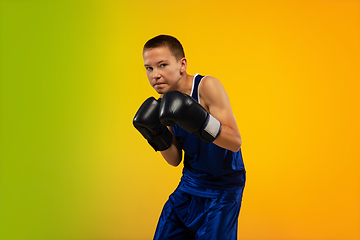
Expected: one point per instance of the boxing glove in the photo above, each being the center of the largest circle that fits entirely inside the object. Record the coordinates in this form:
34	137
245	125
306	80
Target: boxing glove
147	122
179	108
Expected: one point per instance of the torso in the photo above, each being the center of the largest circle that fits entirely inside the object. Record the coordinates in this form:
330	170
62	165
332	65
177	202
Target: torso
209	167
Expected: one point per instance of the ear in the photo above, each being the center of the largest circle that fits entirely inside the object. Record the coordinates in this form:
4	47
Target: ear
183	65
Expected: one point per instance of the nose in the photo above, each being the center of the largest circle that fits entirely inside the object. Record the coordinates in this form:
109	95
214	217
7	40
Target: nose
156	73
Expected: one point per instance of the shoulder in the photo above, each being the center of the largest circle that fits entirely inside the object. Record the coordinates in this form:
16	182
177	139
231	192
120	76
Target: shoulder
211	90
209	82
210	86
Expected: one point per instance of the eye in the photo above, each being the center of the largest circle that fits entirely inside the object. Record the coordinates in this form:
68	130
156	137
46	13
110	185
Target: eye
149	68
163	65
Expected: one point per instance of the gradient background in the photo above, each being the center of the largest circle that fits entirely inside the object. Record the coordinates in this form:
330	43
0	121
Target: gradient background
72	166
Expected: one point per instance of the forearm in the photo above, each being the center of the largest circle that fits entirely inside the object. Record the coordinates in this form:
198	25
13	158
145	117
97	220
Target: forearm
229	139
172	155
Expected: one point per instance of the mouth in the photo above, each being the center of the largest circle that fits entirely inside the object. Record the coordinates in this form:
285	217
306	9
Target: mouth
159	84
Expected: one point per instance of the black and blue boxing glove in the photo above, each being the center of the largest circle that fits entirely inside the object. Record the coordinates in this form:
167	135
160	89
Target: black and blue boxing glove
181	109
147	122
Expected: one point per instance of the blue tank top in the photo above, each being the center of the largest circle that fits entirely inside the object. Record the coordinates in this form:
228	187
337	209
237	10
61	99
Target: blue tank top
209	170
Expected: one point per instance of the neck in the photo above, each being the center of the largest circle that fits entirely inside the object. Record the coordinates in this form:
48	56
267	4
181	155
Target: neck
186	84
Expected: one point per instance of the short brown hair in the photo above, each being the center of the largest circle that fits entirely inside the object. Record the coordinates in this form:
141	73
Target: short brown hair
171	42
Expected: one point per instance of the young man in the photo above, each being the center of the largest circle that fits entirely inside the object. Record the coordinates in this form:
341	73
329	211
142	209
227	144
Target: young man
200	122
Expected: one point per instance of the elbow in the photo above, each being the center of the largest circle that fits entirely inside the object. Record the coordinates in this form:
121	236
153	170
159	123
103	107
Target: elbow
235	149
174	164
237	145
174	161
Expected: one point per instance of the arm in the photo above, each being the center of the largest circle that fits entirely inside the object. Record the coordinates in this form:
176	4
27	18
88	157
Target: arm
215	100
173	154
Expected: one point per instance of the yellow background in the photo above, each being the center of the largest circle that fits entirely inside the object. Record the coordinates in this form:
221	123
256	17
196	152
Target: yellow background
72	166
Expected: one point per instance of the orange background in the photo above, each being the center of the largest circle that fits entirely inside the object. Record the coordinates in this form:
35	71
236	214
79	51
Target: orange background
72	78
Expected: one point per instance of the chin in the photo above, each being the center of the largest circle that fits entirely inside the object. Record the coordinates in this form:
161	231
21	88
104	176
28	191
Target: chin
160	91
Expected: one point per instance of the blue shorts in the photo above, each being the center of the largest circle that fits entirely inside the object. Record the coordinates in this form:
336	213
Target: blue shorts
185	216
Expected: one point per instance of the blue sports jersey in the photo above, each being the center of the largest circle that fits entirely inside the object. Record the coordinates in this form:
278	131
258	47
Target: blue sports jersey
209	170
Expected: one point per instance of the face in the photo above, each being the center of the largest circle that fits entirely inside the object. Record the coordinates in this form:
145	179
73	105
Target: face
163	70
